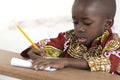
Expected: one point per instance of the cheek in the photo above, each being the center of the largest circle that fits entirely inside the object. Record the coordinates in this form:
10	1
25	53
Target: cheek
97	29
94	33
91	36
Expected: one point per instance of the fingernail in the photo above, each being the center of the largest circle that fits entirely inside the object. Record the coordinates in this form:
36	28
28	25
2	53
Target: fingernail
35	67
42	67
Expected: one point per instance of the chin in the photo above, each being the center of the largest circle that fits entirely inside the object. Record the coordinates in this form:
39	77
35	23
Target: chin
86	44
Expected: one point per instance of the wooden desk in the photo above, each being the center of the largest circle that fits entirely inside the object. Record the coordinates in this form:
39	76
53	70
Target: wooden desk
64	74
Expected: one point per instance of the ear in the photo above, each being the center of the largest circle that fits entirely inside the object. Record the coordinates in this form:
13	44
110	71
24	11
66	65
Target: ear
109	23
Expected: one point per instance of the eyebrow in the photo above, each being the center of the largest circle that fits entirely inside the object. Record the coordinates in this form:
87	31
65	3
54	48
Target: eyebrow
83	18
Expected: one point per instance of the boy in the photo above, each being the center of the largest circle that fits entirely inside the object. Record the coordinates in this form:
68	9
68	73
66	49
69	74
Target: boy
90	45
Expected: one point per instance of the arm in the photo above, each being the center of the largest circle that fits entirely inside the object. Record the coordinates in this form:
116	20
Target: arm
109	62
77	63
55	43
60	63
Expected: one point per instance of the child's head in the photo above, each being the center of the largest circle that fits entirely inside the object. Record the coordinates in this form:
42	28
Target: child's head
92	17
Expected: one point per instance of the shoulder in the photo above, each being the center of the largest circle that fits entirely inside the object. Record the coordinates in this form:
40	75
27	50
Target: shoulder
69	34
66	33
113	44
116	37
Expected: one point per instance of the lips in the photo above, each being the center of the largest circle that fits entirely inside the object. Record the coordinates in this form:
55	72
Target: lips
82	39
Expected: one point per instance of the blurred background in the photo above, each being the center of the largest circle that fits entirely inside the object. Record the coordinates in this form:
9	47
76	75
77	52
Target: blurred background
38	18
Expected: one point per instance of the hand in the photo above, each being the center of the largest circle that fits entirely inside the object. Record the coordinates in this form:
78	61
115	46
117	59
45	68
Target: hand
57	63
60	63
34	53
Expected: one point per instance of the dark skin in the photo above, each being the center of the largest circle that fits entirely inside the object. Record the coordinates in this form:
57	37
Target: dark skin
89	23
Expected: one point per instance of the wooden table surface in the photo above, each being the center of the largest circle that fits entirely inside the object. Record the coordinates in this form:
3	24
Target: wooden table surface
64	74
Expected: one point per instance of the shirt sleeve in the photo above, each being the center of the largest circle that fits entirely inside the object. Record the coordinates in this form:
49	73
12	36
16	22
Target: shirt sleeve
110	62
52	45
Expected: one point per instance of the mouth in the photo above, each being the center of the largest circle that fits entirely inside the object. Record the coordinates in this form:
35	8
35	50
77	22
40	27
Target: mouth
82	39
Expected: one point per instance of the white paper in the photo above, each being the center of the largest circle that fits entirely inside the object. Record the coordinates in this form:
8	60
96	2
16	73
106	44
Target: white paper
21	63
27	64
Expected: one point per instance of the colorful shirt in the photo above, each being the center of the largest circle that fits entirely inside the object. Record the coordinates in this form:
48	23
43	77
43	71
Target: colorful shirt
103	55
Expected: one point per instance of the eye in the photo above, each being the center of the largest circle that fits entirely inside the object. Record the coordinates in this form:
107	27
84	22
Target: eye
87	24
87	21
75	22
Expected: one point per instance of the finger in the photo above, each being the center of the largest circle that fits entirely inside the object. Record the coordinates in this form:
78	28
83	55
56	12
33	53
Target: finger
37	61
43	52
40	52
33	56
35	51
40	65
32	53
46	64
35	65
57	66
43	65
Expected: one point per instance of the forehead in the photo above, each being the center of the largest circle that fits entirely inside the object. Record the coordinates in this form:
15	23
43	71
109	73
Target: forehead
87	9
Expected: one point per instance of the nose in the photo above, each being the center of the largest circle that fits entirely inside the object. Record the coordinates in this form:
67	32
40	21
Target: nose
80	28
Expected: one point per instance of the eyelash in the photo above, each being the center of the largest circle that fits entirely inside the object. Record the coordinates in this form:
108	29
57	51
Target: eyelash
88	24
75	23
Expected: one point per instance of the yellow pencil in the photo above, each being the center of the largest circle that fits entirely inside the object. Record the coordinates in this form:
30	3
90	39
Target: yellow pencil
33	44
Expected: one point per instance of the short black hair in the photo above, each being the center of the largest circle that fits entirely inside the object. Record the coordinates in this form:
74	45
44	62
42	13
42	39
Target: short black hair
106	6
